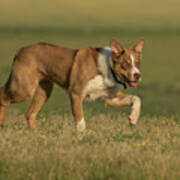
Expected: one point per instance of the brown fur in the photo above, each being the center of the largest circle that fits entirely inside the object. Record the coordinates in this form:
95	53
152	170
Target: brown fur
37	67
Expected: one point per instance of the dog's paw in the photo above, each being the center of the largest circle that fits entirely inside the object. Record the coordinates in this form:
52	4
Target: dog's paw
133	118
32	125
132	121
135	111
81	125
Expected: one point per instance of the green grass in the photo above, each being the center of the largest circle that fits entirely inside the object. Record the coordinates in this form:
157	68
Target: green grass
109	149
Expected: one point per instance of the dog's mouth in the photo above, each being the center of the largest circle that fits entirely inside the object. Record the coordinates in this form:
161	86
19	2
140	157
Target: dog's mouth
130	83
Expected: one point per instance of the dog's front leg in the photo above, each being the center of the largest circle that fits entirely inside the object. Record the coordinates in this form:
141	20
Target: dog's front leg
121	100
76	104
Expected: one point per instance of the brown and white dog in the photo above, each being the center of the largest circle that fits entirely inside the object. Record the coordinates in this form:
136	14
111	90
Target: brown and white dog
87	73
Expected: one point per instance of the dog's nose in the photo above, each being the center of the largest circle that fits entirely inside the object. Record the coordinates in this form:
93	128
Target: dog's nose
137	76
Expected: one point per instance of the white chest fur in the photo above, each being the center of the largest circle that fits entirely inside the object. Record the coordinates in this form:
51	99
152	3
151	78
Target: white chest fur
103	84
95	88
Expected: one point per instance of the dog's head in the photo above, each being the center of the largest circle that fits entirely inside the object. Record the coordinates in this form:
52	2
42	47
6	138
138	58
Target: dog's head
126	62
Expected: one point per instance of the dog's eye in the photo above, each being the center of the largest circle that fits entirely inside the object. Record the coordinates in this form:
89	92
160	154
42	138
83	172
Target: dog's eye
125	65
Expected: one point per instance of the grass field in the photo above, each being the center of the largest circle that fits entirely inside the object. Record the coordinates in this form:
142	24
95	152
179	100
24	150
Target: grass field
109	149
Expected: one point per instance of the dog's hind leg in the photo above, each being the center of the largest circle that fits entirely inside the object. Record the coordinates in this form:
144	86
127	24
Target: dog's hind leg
12	92
40	97
4	103
2	114
121	100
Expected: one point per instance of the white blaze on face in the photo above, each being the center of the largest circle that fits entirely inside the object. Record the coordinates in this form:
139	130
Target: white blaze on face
134	69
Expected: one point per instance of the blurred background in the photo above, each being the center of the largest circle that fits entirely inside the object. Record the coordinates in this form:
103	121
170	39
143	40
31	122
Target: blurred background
76	24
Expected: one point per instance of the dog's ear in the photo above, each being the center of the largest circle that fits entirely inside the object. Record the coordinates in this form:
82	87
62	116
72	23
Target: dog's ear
116	47
139	46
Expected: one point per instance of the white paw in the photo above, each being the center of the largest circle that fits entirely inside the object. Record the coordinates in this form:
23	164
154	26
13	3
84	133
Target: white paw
133	120
135	111
81	125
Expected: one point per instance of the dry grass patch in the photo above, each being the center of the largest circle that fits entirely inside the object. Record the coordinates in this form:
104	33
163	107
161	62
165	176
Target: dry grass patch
109	149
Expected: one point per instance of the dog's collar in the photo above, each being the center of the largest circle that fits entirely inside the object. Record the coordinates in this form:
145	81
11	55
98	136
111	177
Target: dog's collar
109	53
116	79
